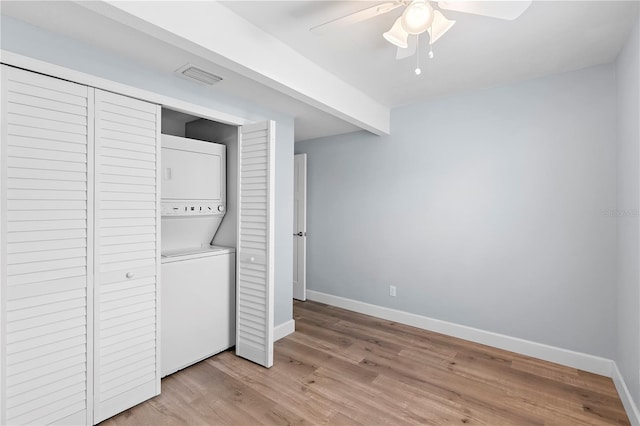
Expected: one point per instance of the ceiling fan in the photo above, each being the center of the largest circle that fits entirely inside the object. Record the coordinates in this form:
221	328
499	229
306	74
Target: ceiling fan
419	16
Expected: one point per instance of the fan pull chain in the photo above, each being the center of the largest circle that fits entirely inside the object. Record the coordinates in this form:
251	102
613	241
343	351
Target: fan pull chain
418	71
430	43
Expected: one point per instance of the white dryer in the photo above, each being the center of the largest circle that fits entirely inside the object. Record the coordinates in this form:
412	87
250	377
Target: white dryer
198	280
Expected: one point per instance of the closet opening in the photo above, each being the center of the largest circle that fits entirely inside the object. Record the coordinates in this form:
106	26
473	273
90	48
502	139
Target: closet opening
198	238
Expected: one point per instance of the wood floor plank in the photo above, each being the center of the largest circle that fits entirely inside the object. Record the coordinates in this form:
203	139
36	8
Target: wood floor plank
438	409
279	384
344	368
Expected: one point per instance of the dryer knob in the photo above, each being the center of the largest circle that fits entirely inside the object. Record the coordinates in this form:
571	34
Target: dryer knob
221	208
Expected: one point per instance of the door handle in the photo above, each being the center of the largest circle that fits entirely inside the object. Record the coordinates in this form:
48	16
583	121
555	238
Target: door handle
300	234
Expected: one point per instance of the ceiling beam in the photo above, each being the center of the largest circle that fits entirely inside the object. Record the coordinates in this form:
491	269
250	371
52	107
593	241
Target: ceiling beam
213	32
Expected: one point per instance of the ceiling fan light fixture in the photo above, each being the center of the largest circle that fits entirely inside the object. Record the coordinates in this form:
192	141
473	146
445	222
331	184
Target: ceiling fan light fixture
417	17
439	26
397	35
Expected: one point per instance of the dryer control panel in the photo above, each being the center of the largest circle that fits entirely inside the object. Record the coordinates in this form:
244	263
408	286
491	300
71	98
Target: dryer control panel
191	208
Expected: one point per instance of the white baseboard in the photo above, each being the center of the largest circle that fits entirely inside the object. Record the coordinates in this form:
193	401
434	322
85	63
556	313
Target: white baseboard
630	407
284	329
582	361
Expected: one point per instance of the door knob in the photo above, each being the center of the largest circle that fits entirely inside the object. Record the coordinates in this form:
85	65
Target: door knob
130	275
299	234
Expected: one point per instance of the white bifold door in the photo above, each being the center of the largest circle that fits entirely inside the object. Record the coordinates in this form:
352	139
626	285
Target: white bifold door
79	251
126	359
46	250
255	251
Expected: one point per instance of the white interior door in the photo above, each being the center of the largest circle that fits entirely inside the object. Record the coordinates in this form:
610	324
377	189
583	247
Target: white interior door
300	227
255	251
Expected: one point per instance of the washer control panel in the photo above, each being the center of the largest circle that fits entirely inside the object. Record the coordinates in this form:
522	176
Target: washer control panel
187	208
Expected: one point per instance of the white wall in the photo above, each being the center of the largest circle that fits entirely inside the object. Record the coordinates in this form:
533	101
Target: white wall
487	209
628	351
31	41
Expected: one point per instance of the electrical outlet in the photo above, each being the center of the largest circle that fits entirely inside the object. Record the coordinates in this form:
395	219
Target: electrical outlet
392	290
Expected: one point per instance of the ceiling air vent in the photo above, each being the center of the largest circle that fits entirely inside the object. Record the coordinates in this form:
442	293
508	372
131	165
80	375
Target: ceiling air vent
198	74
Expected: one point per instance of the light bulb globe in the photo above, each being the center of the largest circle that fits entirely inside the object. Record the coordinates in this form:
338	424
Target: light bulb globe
417	17
397	35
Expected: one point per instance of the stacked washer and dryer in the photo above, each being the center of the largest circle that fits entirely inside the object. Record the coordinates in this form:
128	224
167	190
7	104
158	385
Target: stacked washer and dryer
198	279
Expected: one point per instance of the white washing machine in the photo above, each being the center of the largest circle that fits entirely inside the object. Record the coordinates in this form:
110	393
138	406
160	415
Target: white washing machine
197	279
197	311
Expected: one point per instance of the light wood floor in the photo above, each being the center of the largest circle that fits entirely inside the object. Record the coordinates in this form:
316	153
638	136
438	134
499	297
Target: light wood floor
343	368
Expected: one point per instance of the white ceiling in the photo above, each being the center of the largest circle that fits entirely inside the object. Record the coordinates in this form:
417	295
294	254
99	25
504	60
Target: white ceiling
550	37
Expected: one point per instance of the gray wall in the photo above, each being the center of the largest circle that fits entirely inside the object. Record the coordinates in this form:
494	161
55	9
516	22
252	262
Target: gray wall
487	209
628	354
170	125
284	221
31	41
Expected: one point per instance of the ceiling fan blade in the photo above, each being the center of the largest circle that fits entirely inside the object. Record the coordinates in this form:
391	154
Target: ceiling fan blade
352	18
410	50
508	10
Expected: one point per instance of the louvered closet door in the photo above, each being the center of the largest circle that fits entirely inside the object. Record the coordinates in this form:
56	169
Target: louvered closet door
127	253
255	253
45	249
